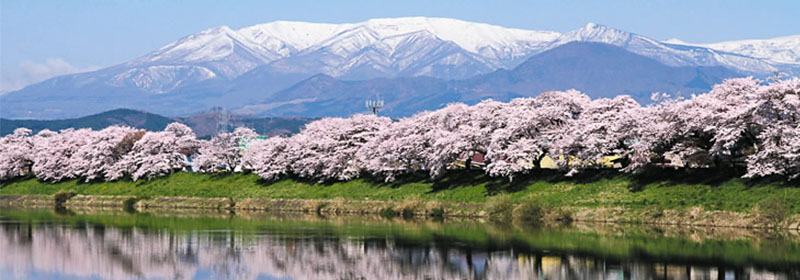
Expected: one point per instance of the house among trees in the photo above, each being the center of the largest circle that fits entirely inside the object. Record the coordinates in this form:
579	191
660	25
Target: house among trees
476	161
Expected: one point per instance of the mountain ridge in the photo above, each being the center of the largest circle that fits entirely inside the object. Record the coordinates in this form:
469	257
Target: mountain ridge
784	49
232	68
597	69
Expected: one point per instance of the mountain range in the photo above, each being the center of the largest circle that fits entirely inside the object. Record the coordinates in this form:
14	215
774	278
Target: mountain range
315	69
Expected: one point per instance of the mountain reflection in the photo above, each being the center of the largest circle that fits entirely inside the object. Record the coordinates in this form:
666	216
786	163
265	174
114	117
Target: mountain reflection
89	250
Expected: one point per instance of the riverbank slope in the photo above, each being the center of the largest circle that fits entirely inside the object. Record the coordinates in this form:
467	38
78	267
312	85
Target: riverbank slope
686	198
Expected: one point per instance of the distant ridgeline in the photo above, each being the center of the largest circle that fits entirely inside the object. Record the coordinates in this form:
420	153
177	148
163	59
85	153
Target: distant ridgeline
204	124
415	64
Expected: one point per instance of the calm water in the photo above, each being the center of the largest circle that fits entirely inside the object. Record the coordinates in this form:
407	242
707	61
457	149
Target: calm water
43	244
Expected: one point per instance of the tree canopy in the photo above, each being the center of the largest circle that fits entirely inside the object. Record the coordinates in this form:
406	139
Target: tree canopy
740	122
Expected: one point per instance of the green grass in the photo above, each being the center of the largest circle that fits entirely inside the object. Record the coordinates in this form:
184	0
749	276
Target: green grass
594	189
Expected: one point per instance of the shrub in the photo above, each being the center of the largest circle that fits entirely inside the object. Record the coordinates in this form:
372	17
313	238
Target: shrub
388	212
773	209
435	209
437	212
62	196
411	206
129	204
406	213
530	211
562	215
499	206
316	206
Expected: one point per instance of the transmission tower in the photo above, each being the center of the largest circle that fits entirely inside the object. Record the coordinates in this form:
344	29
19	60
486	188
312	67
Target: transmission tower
375	105
224	119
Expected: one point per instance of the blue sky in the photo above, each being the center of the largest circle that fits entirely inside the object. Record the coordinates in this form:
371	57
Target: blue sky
39	39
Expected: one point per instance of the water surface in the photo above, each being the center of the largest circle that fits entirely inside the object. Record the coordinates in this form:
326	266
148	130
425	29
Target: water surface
106	244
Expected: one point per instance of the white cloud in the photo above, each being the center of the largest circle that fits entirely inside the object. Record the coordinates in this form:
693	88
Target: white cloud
30	72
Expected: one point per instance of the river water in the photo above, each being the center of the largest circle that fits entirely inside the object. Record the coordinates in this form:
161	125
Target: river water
109	244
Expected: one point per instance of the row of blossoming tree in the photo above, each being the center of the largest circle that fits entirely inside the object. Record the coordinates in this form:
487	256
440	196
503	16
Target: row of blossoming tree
740	122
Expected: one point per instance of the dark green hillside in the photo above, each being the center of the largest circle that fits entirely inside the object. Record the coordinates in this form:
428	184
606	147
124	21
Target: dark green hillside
125	117
204	124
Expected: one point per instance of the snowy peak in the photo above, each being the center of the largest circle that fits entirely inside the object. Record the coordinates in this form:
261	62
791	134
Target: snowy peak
280	39
350	41
593	32
290	36
598	33
668	53
209	44
230	53
675	41
362	52
468	35
779	50
385	47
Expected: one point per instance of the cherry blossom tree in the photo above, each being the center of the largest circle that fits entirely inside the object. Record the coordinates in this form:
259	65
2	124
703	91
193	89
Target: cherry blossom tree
268	158
532	128
158	153
722	122
327	148
452	133
16	154
432	141
775	113
606	127
52	153
223	150
682	133
400	148
95	158
739	122
778	154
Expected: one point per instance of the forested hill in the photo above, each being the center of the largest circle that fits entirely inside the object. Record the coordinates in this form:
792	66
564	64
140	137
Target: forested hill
204	124
125	117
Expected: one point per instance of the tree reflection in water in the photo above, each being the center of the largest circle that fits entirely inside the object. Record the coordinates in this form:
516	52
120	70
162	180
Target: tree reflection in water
80	247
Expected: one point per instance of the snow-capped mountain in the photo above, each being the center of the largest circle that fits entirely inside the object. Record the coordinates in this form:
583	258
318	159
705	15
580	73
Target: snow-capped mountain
400	47
784	50
214	53
221	50
231	68
436	47
360	53
488	41
597	69
669	54
388	47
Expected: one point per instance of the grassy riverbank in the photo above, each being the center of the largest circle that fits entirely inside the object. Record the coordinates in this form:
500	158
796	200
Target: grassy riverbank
600	189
